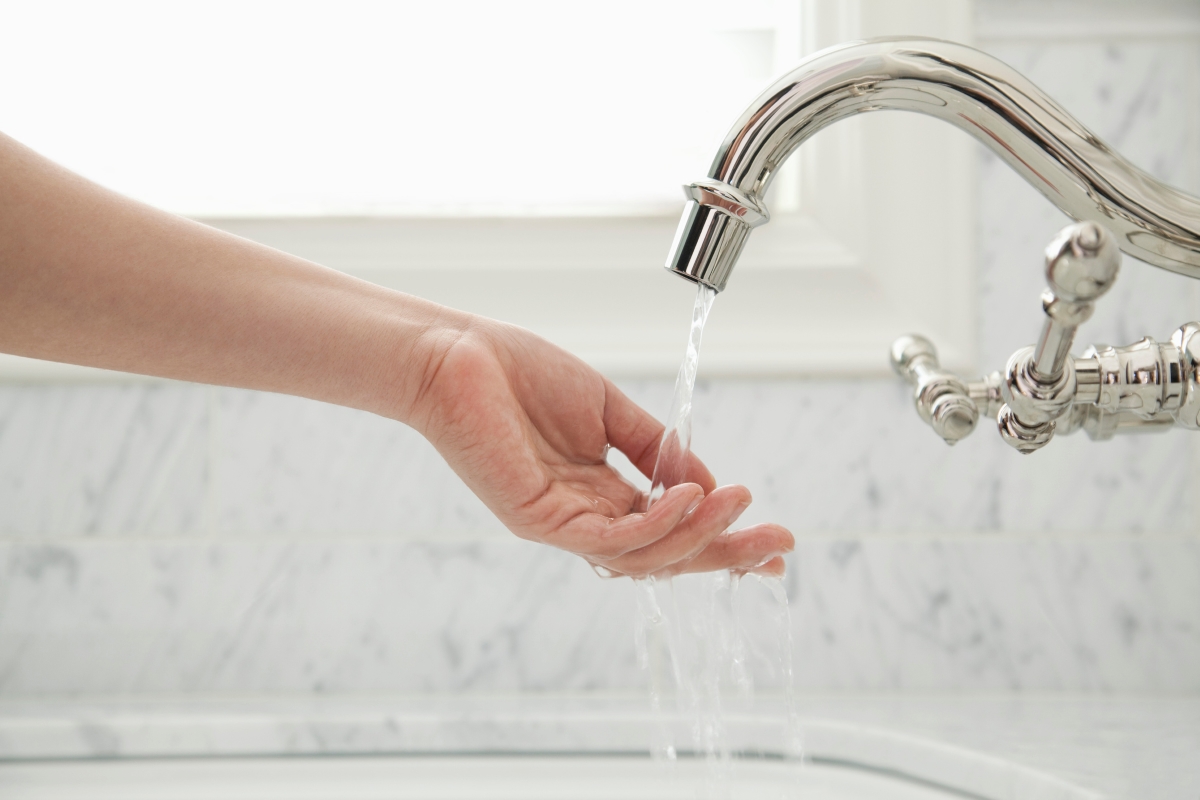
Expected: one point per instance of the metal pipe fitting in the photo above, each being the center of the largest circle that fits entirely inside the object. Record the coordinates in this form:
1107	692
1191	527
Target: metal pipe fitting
1187	341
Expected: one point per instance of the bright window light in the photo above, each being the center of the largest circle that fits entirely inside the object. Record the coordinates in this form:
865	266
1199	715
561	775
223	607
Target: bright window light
224	109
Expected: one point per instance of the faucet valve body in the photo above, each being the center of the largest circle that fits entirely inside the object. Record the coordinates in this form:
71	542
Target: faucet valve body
1146	386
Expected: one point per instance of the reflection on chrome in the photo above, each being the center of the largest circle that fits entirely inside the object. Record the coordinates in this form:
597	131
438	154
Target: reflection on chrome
1145	386
971	90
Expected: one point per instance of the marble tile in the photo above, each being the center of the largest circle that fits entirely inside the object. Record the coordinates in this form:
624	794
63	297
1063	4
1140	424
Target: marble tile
80	460
1010	613
385	615
852	456
844	456
314	616
285	465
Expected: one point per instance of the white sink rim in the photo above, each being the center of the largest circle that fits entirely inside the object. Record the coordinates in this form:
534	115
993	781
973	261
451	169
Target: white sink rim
132	731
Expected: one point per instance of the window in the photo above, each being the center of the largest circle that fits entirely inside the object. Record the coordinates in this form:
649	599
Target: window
519	159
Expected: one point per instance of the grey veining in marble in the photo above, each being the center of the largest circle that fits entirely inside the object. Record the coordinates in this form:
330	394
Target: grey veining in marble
881	613
104	460
310	615
820	457
831	457
292	466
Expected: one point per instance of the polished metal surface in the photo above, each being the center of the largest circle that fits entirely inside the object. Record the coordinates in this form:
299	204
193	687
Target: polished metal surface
943	399
1081	264
1043	390
1073	168
1187	342
1040	383
1147	386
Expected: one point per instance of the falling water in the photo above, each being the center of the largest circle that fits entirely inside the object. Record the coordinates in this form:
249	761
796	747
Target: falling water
690	629
676	445
780	630
650	630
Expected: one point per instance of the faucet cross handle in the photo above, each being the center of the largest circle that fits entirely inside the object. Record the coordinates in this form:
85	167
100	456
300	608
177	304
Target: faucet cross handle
1039	382
1081	265
942	398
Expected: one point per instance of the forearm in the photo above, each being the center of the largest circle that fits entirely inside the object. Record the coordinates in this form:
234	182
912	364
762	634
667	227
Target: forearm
89	277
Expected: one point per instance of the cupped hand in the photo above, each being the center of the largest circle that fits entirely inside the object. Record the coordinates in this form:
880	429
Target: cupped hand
528	427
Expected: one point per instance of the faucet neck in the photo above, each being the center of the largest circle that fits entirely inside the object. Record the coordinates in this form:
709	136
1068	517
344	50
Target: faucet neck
977	93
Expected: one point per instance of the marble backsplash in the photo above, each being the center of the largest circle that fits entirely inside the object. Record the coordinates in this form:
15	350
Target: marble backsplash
823	457
385	615
166	538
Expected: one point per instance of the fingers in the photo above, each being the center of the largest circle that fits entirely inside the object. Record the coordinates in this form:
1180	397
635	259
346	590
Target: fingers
689	538
698	474
754	549
601	539
631	429
635	433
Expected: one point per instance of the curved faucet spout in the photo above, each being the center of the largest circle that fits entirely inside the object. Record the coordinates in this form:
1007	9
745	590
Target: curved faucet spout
1073	168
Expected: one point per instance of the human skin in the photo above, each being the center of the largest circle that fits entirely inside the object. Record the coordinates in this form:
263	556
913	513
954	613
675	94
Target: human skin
90	277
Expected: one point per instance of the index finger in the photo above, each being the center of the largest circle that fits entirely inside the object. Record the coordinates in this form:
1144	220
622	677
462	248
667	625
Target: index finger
637	434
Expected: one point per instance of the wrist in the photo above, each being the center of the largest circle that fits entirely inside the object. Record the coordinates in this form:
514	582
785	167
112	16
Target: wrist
421	336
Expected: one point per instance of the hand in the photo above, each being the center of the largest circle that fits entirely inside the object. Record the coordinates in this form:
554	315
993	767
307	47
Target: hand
528	426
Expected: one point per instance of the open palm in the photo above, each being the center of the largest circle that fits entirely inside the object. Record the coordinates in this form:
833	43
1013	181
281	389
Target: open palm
528	427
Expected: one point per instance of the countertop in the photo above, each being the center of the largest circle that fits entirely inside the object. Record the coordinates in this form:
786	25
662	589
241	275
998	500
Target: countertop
1002	746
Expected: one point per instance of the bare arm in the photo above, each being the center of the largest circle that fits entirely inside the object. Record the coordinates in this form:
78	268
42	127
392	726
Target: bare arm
90	277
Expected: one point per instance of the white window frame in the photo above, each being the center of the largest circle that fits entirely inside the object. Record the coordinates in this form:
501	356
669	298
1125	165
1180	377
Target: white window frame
872	236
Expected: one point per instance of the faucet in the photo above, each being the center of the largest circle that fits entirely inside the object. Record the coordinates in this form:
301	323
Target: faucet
1146	386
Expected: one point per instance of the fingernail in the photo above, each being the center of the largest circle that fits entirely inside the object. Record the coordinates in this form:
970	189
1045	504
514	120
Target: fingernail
737	512
684	488
769	559
761	570
603	572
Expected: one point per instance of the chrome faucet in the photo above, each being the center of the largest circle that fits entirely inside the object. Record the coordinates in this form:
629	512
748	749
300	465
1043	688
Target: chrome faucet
1146	386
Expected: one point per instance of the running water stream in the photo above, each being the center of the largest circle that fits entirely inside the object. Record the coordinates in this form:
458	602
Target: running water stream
671	467
689	632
